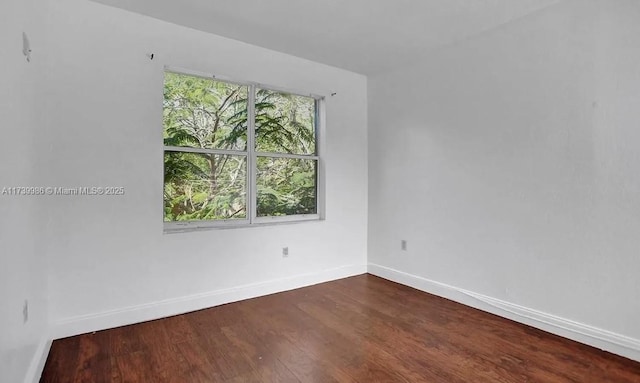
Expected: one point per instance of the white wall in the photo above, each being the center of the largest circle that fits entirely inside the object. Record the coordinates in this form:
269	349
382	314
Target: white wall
110	262
511	164
22	263
508	161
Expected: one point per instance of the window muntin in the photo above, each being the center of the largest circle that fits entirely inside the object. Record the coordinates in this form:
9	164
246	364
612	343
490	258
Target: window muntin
237	153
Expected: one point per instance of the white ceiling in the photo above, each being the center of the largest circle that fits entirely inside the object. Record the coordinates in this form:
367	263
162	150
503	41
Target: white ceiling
365	36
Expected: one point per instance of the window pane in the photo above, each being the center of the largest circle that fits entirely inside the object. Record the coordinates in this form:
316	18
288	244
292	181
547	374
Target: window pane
204	186
285	123
286	186
204	113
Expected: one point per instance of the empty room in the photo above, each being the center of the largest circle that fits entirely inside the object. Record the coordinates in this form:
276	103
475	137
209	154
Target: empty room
438	191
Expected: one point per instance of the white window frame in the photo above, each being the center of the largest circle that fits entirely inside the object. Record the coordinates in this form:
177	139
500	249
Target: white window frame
252	155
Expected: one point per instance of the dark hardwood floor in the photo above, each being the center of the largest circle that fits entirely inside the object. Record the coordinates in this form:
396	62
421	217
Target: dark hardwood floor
361	329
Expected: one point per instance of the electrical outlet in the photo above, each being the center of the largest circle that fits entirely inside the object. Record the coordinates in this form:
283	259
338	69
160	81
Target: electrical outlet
403	245
25	311
285	252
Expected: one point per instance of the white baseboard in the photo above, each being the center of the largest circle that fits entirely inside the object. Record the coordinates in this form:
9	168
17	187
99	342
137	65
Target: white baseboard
38	361
150	311
592	336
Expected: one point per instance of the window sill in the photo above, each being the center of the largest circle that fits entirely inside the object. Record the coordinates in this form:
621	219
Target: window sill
175	227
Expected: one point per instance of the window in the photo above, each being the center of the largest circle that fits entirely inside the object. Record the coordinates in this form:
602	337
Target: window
237	153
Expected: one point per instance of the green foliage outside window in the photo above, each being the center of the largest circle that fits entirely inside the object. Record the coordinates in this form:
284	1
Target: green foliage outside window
204	115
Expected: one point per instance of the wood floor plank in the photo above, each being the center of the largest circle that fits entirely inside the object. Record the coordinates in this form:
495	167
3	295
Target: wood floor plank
64	358
303	366
262	360
443	353
360	329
